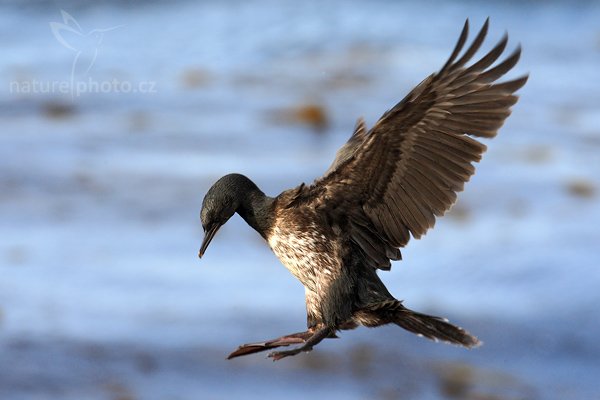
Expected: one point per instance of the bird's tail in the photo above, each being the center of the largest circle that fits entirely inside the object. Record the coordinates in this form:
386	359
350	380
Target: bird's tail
434	328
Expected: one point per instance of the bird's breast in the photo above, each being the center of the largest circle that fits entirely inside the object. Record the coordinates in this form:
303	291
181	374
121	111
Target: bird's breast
308	253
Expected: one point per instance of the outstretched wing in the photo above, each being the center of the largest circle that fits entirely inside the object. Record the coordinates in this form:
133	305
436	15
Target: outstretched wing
394	180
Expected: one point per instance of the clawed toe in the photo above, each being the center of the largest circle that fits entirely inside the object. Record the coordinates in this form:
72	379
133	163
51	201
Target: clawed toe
251	348
309	338
247	349
278	355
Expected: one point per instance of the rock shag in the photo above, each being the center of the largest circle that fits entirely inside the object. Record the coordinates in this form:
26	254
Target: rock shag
386	184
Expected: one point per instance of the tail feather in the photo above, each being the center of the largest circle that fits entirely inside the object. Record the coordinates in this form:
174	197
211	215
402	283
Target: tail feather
434	328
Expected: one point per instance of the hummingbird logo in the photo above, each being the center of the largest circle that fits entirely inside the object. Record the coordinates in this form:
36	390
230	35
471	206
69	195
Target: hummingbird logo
85	45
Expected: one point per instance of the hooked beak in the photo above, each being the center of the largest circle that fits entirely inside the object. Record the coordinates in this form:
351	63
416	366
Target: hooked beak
208	236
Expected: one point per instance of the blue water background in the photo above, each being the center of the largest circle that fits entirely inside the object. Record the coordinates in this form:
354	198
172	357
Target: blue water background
101	291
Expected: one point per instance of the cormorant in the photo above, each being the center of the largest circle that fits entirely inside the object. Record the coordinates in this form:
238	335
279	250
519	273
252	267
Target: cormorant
386	184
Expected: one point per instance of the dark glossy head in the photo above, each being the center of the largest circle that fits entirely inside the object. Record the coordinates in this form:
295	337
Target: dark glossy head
222	200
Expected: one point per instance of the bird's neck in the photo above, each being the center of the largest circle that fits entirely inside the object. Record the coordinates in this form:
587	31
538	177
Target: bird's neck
257	210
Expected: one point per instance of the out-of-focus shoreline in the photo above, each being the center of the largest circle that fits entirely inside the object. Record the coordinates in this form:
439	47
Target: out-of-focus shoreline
386	363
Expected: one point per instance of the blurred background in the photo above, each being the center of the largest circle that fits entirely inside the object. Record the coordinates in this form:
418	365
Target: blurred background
116	117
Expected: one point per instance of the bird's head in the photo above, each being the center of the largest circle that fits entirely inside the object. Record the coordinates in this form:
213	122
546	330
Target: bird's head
220	203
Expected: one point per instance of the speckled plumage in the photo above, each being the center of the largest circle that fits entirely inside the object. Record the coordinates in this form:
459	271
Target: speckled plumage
302	237
386	185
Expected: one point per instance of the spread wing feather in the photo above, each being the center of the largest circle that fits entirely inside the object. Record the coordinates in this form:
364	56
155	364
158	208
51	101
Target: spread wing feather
394	180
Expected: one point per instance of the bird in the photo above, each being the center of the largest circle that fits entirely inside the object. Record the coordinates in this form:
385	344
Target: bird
386	184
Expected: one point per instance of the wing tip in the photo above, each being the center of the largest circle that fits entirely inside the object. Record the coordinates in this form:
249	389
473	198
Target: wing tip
468	54
458	47
514	84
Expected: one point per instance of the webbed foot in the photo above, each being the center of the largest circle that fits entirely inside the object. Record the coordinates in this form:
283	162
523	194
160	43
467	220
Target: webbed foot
251	348
313	340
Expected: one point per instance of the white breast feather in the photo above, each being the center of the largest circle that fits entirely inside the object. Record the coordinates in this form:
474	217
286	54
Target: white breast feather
307	254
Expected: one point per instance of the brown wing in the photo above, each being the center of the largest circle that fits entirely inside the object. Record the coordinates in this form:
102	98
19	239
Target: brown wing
349	148
408	168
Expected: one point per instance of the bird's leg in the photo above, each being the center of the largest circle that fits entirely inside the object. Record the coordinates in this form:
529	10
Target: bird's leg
309	343
250	348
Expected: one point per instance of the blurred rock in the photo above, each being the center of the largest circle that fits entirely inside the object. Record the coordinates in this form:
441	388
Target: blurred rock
538	154
310	114
456	381
138	121
581	188
468	382
146	362
58	110
194	78
86	182
118	391
361	360
319	361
